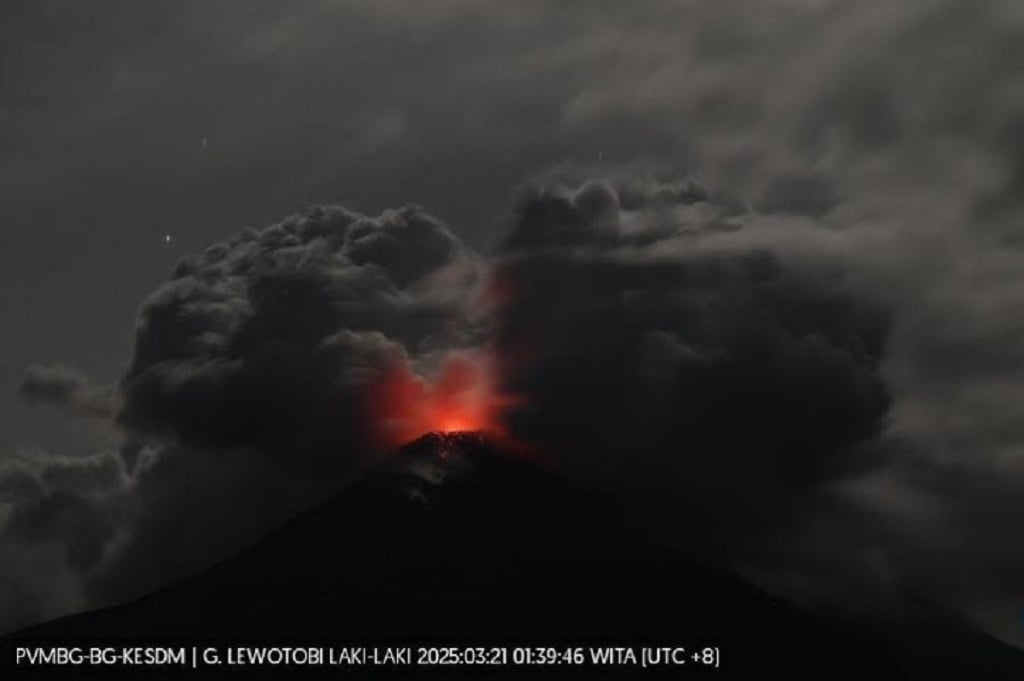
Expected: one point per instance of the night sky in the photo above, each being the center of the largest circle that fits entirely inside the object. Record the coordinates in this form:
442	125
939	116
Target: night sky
756	267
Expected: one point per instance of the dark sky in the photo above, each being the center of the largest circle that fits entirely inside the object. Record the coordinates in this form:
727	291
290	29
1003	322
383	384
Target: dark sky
872	152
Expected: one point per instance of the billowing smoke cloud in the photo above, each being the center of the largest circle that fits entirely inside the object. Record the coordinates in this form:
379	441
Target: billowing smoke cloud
269	340
801	394
254	370
750	383
246	400
660	348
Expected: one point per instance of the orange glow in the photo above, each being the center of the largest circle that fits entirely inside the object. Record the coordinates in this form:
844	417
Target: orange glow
404	406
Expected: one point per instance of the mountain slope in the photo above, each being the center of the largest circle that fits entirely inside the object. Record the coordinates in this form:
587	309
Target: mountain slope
455	539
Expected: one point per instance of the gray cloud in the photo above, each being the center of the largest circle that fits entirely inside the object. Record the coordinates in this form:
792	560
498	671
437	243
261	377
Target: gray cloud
828	400
67	388
59	517
251	372
269	340
709	375
245	400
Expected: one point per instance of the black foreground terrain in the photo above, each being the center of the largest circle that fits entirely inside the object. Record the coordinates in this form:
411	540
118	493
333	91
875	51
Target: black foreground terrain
455	539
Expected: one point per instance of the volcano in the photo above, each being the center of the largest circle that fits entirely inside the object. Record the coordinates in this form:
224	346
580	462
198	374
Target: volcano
456	537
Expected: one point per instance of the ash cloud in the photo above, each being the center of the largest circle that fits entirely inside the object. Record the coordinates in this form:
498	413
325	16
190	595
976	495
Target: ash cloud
268	340
707	374
250	377
803	395
244	402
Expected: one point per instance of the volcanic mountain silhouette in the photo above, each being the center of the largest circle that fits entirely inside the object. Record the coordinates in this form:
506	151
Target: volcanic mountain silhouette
455	539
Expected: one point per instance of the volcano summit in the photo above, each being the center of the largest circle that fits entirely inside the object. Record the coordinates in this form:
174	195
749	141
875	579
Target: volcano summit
455	537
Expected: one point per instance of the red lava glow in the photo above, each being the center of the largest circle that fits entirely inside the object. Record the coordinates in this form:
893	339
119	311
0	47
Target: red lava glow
404	406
